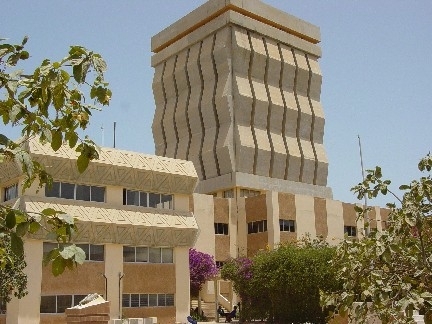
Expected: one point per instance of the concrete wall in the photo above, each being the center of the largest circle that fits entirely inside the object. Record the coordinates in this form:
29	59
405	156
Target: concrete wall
235	94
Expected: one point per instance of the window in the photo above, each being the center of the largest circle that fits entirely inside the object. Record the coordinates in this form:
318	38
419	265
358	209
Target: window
219	264
2	306
59	303
147	199
147	300
228	193
11	192
286	225
75	191
221	228
257	227
135	254
350	231
92	252
146	254
249	193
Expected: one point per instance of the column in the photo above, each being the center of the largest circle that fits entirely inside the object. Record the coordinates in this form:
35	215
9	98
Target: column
273	229
26	310
182	295
113	270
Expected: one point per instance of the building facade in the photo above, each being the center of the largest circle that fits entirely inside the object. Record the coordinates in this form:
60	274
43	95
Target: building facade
240	167
237	88
134	223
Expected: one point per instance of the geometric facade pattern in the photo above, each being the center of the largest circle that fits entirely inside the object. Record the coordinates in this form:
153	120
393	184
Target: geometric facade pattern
130	225
114	167
237	92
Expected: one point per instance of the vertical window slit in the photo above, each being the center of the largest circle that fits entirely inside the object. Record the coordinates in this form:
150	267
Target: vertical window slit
200	112
298	116
253	103
214	105
269	111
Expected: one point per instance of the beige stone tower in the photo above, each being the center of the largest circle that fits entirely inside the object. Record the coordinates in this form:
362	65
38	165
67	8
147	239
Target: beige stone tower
237	89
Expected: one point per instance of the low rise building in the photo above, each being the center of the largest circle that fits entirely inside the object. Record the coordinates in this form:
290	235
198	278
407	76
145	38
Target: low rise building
134	223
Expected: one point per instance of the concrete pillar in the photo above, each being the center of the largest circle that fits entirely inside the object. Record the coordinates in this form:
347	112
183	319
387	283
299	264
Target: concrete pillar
305	215
26	310
233	225
113	270
204	215
273	230
335	221
241	227
182	295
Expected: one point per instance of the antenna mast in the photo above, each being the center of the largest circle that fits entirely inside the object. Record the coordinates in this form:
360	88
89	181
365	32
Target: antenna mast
103	135
367	229
114	134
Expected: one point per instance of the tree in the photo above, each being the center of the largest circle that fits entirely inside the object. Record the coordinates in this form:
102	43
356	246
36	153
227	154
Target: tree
49	104
283	285
202	267
389	272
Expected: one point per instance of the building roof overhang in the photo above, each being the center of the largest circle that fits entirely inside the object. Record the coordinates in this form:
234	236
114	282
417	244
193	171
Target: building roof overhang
131	225
114	167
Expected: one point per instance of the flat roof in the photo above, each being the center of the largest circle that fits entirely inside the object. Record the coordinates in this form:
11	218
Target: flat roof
254	9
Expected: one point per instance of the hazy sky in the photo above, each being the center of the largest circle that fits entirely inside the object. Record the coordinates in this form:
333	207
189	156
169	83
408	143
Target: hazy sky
376	65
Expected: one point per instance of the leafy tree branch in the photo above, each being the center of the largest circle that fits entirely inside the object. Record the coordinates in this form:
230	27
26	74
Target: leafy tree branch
53	104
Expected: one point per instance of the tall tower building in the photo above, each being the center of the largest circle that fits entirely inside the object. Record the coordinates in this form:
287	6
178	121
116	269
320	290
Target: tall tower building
237	90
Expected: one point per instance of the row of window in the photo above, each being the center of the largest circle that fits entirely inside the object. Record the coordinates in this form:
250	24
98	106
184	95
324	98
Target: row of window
147	300
147	254
75	191
221	228
130	253
58	303
257	226
93	252
249	193
147	199
55	304
286	225
243	193
350	231
94	193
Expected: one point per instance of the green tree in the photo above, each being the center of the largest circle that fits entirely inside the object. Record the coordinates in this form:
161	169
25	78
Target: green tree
48	104
283	285
389	272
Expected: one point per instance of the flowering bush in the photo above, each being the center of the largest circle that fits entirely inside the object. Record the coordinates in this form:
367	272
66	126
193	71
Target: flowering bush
282	285
202	267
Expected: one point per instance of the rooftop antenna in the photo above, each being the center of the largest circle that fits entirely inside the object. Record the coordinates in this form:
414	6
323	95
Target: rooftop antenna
114	133
367	229
103	135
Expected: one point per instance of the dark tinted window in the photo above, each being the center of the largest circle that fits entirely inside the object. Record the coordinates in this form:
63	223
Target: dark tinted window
128	254
82	192
67	190
98	194
97	252
63	302
154	255
153	300
154	200
53	191
48	304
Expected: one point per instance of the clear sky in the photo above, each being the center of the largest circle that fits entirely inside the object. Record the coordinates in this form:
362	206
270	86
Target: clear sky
376	65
